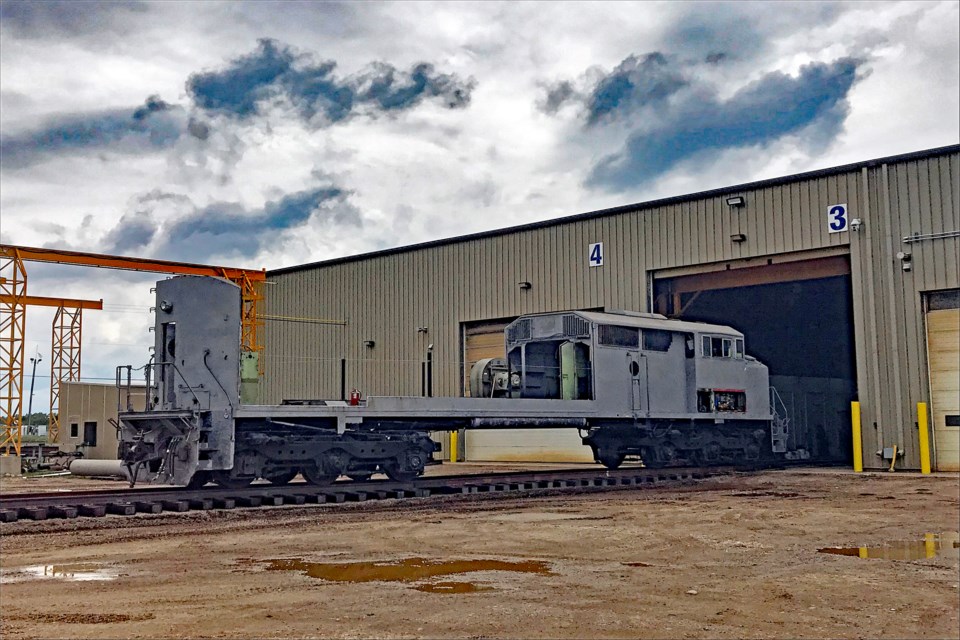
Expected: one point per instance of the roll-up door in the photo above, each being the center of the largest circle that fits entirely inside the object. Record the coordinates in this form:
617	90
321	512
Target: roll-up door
485	340
943	355
481	340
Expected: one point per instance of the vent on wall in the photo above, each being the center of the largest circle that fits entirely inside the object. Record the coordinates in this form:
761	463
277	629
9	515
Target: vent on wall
520	330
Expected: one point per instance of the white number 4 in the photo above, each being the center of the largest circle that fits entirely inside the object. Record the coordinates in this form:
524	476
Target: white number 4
595	257
837	219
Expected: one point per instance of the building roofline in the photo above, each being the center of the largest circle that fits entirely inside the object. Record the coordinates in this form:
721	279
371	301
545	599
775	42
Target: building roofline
639	206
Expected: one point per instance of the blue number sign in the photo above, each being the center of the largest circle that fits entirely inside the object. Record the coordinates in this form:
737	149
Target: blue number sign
837	219
595	256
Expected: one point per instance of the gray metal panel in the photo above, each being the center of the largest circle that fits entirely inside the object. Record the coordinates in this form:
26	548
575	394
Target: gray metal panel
443	285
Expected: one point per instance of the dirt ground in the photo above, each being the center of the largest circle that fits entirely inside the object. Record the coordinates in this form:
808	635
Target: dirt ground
729	557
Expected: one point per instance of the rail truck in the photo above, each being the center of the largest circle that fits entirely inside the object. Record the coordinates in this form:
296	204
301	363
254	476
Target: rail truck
634	384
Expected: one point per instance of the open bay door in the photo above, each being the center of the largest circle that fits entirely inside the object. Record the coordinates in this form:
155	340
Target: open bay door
943	356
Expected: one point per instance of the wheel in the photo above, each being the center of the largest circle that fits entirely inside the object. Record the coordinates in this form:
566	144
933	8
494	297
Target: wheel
611	458
313	475
405	467
199	479
395	473
281	476
225	480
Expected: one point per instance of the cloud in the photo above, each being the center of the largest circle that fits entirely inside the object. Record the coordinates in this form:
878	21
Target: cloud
156	124
774	106
635	83
169	226
276	72
34	19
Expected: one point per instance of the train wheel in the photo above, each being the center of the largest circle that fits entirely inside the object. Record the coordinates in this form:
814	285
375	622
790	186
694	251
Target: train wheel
404	468
611	458
395	473
711	453
199	479
281	476
313	475
225	480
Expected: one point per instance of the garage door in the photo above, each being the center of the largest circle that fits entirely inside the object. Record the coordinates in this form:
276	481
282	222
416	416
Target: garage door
485	340
943	352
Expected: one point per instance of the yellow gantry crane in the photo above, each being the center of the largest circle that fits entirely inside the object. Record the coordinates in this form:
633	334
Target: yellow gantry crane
67	323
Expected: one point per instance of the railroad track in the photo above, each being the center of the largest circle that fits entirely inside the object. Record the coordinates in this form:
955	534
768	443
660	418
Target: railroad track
153	500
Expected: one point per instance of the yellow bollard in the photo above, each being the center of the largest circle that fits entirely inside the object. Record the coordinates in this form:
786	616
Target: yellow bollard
453	446
857	441
924	437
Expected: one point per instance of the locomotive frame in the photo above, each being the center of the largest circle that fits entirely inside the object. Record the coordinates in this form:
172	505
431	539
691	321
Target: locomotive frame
634	384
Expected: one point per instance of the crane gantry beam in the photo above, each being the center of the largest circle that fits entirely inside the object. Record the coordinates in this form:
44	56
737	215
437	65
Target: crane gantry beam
65	355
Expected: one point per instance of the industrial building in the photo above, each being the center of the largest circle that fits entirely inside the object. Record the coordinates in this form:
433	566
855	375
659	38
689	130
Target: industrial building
843	280
88	415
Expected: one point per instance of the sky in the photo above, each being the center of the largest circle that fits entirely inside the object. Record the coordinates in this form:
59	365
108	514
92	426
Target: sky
271	134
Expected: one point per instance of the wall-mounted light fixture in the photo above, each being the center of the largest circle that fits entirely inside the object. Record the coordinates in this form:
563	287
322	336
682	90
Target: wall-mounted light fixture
739	237
855	224
525	285
736	201
369	344
906	260
421	329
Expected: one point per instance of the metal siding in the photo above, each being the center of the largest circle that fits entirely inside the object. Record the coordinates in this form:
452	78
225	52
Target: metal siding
387	297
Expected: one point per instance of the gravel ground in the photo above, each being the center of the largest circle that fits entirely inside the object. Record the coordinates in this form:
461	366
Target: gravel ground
728	557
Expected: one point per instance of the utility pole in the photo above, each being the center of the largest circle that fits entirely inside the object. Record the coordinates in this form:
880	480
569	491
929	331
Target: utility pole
35	360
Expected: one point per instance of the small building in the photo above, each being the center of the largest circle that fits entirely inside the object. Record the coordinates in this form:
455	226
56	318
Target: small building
88	414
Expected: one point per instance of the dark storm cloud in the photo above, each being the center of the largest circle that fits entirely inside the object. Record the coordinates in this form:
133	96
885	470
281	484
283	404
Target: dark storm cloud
168	226
276	71
774	106
635	83
41	18
156	125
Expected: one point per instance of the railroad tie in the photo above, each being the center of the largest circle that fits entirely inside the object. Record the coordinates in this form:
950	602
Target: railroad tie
32	513
178	506
148	507
92	510
121	508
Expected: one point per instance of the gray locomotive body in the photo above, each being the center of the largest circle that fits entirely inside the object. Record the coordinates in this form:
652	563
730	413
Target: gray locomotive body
634	384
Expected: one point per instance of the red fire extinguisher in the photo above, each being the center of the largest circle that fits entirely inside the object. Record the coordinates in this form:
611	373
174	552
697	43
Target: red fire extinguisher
354	397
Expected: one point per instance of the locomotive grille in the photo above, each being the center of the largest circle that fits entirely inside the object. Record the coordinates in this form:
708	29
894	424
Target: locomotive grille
520	331
575	327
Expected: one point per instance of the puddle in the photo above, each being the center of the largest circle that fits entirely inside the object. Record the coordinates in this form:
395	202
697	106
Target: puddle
406	570
451	587
946	545
71	572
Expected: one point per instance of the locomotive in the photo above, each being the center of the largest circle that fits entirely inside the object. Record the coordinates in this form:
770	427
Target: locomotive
636	385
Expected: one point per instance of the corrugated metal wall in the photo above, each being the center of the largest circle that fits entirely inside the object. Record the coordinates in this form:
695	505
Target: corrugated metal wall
386	298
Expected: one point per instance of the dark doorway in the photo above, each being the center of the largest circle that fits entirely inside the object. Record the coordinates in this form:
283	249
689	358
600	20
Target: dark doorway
803	331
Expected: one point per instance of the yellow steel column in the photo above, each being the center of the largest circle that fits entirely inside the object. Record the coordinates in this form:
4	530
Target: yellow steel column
924	437
13	313
453	446
857	440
